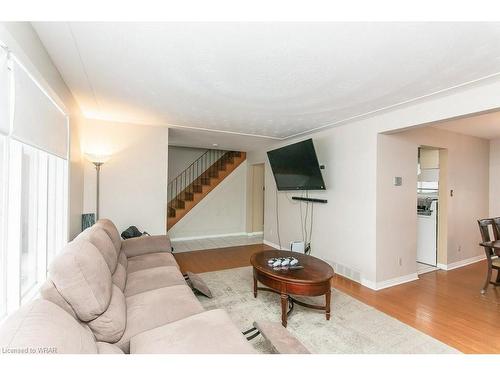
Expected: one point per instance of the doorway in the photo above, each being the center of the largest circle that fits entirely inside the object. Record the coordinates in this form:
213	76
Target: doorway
427	208
258	188
431	207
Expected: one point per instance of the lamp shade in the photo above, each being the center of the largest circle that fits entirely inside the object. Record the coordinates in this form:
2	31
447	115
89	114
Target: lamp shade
96	158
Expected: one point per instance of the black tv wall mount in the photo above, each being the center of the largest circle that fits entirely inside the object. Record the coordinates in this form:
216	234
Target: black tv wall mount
313	200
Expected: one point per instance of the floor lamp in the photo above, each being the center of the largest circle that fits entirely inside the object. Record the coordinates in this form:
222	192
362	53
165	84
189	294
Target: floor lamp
98	161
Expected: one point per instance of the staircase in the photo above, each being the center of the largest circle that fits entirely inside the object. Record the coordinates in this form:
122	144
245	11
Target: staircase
196	181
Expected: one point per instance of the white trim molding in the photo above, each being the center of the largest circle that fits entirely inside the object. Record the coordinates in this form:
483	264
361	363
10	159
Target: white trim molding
461	263
249	234
396	281
363	281
272	244
208	236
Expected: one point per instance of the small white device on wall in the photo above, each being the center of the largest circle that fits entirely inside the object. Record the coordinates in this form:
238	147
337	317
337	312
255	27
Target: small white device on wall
297	246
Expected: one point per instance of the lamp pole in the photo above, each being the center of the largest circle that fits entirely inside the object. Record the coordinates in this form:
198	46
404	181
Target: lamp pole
98	161
98	170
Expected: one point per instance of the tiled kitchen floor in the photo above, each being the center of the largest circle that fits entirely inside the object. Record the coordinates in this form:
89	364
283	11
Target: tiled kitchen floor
181	246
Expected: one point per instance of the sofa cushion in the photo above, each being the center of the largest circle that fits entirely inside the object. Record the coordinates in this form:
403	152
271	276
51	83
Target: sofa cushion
120	277
210	332
107	348
110	325
155	308
197	283
144	261
100	239
122	259
45	328
112	232
153	278
146	244
49	292
82	277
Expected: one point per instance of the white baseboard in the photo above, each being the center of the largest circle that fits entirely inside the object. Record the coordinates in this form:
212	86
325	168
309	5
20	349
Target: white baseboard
209	236
461	263
368	283
250	234
383	284
272	244
396	281
365	282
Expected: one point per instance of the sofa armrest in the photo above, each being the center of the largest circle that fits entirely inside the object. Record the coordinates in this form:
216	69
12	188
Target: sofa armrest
145	245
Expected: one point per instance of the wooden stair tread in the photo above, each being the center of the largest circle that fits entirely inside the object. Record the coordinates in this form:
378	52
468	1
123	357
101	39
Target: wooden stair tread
201	187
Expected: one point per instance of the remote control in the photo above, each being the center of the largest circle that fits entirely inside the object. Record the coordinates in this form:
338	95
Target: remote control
295	267
285	263
271	261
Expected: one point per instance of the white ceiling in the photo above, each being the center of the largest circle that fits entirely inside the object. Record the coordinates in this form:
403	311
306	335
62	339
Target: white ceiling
483	126
208	139
269	79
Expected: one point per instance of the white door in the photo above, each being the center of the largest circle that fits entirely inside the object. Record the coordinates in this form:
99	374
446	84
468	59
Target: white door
258	198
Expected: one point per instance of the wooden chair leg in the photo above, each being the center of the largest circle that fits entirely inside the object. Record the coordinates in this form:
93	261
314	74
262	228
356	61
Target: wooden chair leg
488	279
498	276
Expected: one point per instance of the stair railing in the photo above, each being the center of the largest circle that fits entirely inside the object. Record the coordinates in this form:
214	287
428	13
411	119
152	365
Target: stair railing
183	183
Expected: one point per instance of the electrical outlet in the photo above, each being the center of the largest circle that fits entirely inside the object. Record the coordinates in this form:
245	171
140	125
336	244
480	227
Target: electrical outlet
400	260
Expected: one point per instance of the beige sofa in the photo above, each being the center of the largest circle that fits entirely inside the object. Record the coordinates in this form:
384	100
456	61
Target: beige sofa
105	295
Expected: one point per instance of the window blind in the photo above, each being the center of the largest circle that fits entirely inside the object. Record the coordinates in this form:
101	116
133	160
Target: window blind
37	120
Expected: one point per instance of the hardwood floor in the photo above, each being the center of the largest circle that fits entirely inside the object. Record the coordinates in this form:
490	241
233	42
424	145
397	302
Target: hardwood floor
446	305
217	259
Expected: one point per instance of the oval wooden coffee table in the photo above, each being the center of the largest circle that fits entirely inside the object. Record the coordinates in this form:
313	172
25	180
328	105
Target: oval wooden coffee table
312	280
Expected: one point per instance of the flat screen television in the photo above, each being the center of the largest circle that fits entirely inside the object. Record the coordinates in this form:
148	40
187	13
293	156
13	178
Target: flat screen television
296	167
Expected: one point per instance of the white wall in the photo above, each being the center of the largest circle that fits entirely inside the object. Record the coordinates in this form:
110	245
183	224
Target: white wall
134	181
346	227
467	176
396	208
344	230
494	189
179	158
25	43
221	212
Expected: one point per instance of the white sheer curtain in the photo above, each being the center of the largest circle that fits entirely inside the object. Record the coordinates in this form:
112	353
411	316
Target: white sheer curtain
4	130
3	267
33	183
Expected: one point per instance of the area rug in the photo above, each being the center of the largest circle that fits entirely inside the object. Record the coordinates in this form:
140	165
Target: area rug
354	327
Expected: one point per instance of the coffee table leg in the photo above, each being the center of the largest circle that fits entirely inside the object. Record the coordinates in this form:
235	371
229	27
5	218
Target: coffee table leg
255	287
284	307
328	297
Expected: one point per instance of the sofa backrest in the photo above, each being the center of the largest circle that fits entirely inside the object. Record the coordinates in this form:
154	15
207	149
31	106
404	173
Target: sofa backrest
43	327
112	232
120	274
82	299
94	234
82	282
49	292
116	260
82	277
101	240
